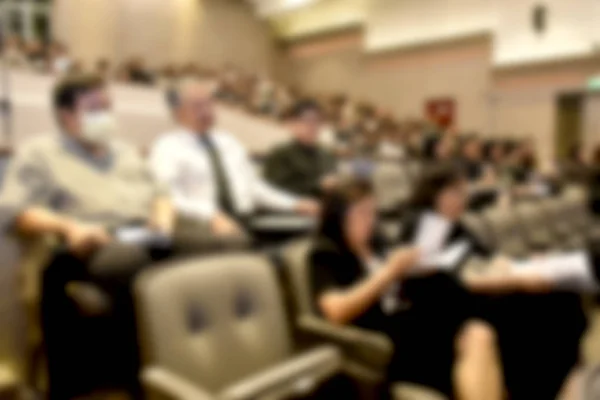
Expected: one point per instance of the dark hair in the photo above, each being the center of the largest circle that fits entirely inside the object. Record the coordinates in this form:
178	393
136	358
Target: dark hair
574	152
468	139
488	149
432	182
69	89
302	106
336	205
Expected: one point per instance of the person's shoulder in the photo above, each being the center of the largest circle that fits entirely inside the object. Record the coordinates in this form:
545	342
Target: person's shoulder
225	137
168	140
125	148
40	145
227	140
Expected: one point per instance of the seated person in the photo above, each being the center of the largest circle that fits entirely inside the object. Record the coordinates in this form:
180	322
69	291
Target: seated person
473	163
353	283
97	195
482	178
537	295
209	173
302	167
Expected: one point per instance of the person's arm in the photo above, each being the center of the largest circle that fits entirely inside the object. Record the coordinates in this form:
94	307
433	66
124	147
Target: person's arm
503	284
26	196
344	305
162	216
264	194
26	206
39	221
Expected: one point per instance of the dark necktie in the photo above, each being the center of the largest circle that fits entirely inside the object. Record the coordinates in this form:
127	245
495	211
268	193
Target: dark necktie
224	197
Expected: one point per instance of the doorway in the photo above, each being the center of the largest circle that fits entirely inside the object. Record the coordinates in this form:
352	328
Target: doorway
569	111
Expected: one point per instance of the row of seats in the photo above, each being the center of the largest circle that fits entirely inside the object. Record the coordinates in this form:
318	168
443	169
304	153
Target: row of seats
554	223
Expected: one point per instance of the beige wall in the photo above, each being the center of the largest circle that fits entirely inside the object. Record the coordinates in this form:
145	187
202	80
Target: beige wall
392	23
90	28
403	80
210	32
229	32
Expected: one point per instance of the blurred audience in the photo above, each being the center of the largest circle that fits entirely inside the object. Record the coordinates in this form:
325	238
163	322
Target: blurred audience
14	52
60	61
137	72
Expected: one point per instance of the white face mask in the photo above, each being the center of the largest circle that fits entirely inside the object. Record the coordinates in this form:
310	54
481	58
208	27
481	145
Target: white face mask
98	127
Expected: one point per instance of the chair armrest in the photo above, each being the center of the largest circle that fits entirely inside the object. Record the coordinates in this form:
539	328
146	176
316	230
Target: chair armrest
296	377
36	253
167	383
282	223
371	348
409	391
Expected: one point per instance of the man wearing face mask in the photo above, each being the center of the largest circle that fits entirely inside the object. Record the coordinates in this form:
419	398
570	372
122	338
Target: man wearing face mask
209	173
96	195
302	166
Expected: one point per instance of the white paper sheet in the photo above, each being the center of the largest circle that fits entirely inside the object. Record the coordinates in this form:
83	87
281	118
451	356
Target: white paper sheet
141	236
448	258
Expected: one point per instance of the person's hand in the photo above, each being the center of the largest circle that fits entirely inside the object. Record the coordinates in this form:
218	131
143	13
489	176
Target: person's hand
500	265
329	182
402	260
83	239
308	207
223	225
163	228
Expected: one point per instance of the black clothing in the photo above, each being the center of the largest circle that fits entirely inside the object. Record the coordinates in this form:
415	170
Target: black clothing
423	335
529	326
330	269
141	76
594	190
472	169
299	168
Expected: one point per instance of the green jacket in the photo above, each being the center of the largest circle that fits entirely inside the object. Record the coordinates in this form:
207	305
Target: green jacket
298	168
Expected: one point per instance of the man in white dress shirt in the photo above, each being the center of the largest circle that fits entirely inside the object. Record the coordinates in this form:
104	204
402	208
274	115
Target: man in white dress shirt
209	173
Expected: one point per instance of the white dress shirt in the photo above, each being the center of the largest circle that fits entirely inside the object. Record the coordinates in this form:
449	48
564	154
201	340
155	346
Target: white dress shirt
179	160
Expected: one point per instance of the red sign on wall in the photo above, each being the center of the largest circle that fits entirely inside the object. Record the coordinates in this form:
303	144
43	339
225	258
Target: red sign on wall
442	111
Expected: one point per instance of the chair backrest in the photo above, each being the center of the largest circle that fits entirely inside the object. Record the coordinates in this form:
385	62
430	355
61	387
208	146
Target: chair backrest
536	223
575	208
295	259
213	321
392	185
414	168
506	231
476	224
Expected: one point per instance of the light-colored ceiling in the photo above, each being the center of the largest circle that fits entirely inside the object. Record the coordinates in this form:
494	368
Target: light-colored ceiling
269	8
